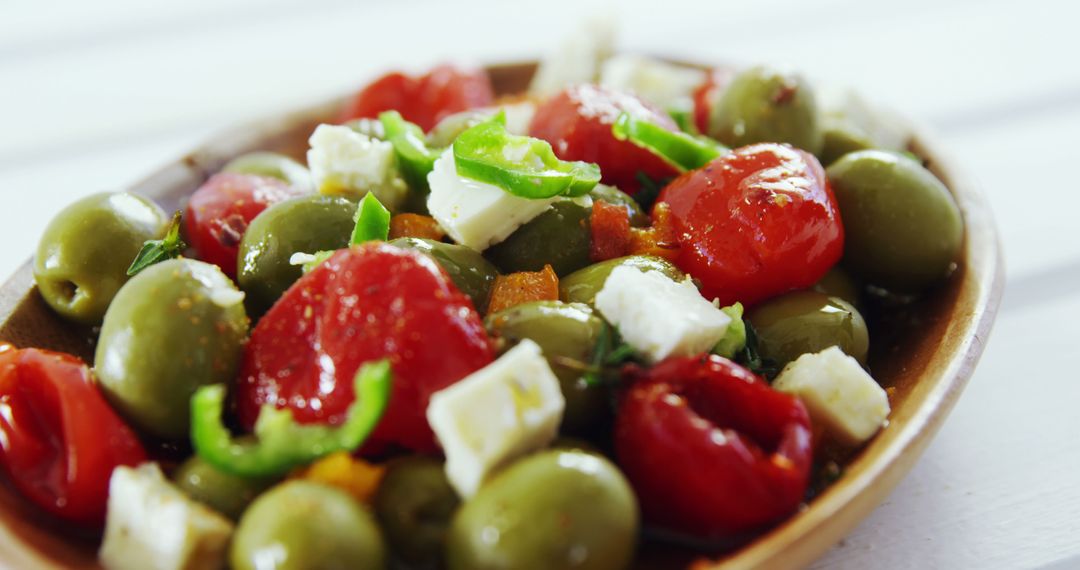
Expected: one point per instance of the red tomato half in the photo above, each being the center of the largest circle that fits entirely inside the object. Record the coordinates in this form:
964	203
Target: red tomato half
755	223
59	439
577	123
712	450
219	212
363	304
424	100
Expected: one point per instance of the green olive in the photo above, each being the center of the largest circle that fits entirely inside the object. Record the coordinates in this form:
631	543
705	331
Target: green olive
564	332
175	326
304	525
841	137
271	164
448	129
903	230
582	285
807	321
839	283
83	256
612	195
414	505
225	493
763	104
559	237
558	509
301	225
473	274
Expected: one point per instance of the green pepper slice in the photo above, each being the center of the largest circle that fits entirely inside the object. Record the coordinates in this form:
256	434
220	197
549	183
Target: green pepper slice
523	166
372	221
415	159
678	149
280	443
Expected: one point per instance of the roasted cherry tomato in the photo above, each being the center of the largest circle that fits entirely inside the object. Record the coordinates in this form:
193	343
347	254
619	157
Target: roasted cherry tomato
755	223
219	212
706	95
577	122
363	304
424	100
711	449
59	439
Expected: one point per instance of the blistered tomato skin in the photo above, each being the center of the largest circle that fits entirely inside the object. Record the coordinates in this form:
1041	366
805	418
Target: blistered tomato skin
577	122
219	212
363	304
710	449
755	223
424	100
59	439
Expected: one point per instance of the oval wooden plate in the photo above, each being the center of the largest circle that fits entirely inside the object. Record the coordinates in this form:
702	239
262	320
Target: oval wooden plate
924	371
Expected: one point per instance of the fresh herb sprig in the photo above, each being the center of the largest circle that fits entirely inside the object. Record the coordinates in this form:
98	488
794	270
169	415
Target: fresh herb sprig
157	250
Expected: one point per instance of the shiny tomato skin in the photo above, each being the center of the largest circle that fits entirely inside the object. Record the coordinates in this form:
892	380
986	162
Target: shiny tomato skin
59	439
363	304
755	223
424	100
219	212
710	449
577	122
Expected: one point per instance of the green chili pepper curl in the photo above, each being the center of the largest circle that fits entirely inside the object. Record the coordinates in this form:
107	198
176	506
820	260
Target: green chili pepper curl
680	150
279	442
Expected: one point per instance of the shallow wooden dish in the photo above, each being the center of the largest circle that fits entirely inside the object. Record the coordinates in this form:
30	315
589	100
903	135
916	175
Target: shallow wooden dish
925	367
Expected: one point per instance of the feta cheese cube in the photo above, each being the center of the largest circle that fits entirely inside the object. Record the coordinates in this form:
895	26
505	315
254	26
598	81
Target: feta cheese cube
495	415
838	393
518	116
152	525
347	163
658	316
577	59
663	84
475	214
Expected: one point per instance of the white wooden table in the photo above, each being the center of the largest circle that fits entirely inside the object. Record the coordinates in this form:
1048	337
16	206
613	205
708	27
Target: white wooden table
95	94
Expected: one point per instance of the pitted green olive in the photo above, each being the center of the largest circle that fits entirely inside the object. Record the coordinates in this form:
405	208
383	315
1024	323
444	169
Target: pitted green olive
582	285
762	104
807	321
559	237
273	165
414	505
225	493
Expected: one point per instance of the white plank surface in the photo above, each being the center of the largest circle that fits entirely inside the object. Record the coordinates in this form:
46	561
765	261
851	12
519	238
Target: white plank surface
95	94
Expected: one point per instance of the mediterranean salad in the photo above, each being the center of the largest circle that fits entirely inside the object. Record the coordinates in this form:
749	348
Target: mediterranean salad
535	330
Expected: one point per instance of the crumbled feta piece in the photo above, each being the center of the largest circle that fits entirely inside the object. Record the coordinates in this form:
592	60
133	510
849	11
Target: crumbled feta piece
475	214
658	316
152	525
518	116
838	393
496	414
577	59
347	163
663	84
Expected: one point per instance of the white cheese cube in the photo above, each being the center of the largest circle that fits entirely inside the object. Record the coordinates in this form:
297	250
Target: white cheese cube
518	116
152	525
660	317
344	162
838	393
663	84
577	59
495	415
473	213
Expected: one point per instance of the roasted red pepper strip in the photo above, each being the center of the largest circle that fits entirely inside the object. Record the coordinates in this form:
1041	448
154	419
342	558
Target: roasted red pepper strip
711	449
610	229
59	439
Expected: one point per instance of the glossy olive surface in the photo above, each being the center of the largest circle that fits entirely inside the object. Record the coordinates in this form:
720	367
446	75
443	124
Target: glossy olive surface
841	137
807	321
763	104
445	131
175	326
582	286
557	509
273	165
414	505
903	230
565	332
612	195
300	525
83	256
837	282
301	225
559	237
473	275
225	493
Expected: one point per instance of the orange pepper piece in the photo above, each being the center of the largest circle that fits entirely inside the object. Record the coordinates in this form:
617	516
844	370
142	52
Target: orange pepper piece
523	287
660	239
609	226
354	476
415	226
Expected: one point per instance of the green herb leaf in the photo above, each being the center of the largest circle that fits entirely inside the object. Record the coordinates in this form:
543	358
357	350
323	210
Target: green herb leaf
372	221
752	359
155	250
280	443
609	353
523	166
678	149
